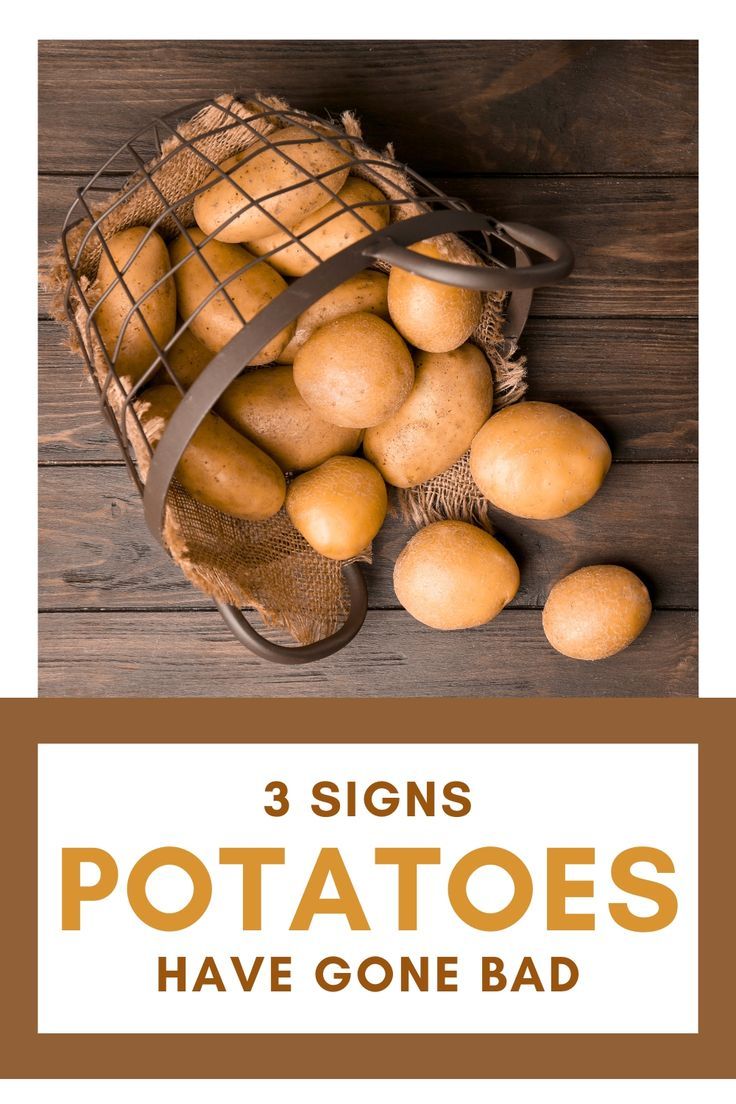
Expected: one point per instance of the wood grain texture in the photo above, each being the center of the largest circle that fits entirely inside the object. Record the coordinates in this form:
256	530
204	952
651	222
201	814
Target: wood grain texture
480	106
193	655
595	141
635	379
635	241
97	553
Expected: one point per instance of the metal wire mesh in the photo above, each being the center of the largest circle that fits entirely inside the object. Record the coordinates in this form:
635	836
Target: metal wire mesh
166	138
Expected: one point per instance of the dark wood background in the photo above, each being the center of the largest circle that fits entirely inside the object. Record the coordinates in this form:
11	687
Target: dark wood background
595	141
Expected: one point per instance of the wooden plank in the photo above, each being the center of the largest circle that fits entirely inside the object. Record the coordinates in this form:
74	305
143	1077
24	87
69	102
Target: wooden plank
635	240
193	655
71	425
636	379
483	106
97	553
56	194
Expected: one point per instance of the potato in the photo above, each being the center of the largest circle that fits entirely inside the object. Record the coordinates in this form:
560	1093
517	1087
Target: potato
364	292
596	612
451	399
267	170
342	230
266	407
338	507
433	316
137	351
220	467
217	323
452	575
355	371
187	359
538	460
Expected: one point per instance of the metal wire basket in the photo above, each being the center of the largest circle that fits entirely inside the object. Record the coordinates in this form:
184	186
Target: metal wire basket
510	257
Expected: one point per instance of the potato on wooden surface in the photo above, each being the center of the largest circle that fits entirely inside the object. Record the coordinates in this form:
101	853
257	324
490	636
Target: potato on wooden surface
596	611
539	460
452	575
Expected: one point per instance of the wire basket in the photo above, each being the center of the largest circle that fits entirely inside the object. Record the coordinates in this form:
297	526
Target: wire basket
504	257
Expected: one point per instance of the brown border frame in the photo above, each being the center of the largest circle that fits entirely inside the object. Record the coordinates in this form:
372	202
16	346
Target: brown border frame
710	1053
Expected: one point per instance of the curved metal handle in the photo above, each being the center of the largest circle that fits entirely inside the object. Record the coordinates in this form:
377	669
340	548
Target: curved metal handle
482	278
244	632
518	304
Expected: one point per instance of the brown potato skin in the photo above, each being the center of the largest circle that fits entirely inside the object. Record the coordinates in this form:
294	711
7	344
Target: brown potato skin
538	460
220	467
432	316
268	171
452	575
365	292
217	323
187	359
451	399
137	351
343	229
338	507
266	407
355	371
596	612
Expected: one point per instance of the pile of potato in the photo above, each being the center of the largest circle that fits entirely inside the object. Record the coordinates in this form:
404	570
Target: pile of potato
381	363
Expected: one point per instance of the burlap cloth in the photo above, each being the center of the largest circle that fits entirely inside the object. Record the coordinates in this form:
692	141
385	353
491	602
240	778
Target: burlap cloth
268	565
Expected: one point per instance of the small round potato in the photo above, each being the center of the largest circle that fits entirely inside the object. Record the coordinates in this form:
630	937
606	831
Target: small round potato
343	229
266	169
452	575
220	467
137	352
451	399
433	316
355	371
266	407
217	323
365	292
538	460
596	612
338	507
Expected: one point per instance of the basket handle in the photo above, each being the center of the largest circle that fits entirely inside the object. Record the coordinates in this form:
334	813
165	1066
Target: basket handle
559	261
243	631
